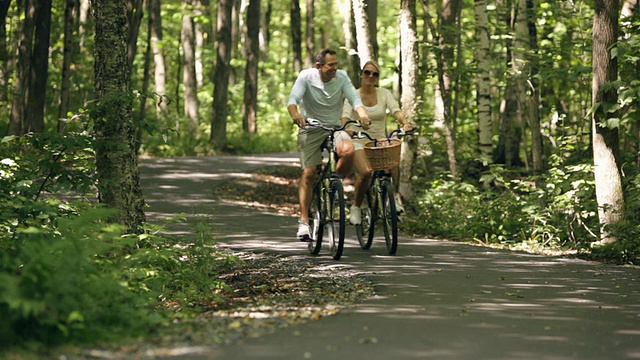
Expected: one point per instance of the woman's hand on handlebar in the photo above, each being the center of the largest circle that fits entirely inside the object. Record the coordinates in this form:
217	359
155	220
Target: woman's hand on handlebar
408	126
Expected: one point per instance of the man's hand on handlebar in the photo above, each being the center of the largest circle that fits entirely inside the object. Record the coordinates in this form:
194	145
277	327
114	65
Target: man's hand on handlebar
300	121
365	122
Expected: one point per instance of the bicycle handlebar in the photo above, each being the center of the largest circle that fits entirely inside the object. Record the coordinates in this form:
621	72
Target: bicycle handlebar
398	133
316	123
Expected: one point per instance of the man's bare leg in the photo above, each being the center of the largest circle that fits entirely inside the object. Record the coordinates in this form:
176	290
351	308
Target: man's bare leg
305	192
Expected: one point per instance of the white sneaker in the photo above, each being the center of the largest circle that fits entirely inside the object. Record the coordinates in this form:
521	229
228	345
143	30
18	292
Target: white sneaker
356	215
303	231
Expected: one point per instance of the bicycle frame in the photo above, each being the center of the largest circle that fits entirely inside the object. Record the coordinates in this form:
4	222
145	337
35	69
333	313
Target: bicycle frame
327	204
382	206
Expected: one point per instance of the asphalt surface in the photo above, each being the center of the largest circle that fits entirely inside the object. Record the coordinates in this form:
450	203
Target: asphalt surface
434	299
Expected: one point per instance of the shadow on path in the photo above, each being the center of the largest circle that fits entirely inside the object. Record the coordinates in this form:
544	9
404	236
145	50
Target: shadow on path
434	299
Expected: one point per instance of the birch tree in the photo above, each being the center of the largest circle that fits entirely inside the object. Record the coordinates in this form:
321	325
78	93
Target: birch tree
189	77
443	93
160	71
483	81
363	35
408	98
606	150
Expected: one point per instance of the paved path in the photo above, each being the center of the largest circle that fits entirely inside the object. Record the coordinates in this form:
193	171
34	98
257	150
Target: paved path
434	299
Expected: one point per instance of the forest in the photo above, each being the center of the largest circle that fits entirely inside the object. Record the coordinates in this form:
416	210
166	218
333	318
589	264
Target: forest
527	112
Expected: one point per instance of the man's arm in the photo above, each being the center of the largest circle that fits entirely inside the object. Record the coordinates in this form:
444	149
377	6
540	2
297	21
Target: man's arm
363	117
297	92
295	115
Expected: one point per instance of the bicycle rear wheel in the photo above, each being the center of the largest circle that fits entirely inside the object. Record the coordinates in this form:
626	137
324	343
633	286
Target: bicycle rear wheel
316	221
336	219
389	216
364	230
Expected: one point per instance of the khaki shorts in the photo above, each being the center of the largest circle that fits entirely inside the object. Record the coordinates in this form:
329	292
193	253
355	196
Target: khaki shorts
309	142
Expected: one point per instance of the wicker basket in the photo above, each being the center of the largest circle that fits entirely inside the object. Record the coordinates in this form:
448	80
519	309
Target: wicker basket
386	155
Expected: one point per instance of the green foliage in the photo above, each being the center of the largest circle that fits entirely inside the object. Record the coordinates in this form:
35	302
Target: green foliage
626	248
58	285
554	210
68	275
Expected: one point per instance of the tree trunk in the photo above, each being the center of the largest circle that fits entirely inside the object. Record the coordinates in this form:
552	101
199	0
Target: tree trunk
236	27
534	99
148	57
631	8
4	55
160	71
221	76
483	82
24	33
296	35
608	181
520	67
67	59
134	15
326	32
189	78
265	31
39	68
83	22
372	16
252	48
310	35
408	99
199	41
447	43
363	37
351	43
508	149
116	161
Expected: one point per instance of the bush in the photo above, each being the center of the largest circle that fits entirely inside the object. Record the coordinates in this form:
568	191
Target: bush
66	274
555	210
62	285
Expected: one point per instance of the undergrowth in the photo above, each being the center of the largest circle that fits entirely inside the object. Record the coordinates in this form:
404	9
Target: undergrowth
554	212
67	275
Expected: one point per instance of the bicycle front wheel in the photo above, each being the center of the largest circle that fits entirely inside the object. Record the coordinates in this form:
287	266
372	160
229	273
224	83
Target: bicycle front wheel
317	220
364	230
389	217
336	219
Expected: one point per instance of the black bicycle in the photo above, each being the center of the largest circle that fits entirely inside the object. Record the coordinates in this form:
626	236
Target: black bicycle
327	210
382	155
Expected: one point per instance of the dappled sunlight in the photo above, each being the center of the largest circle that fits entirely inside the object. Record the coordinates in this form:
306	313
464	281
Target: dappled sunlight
635	332
450	298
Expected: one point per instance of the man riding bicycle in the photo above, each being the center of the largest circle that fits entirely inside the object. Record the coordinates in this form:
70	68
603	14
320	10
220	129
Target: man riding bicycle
320	92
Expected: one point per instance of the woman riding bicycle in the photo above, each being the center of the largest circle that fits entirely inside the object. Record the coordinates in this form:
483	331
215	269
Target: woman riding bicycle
377	102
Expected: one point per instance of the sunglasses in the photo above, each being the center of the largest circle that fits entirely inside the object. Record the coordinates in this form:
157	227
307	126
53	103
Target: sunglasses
369	73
